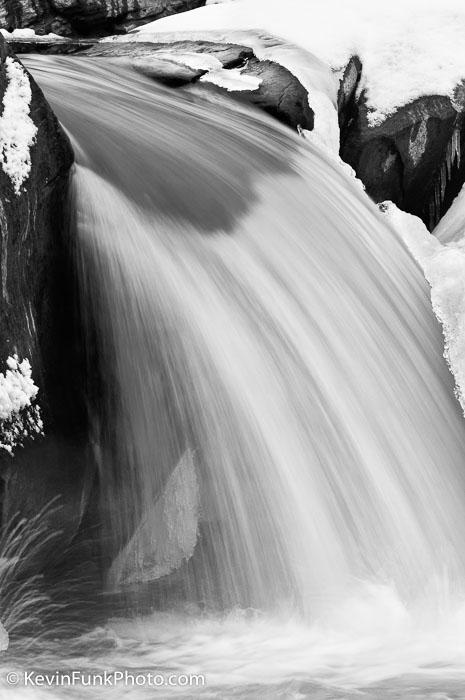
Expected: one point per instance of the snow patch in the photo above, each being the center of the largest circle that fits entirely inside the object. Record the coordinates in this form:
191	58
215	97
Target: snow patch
231	79
19	417
29	34
17	130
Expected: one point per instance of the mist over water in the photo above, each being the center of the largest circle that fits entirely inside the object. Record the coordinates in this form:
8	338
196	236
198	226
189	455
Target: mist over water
281	454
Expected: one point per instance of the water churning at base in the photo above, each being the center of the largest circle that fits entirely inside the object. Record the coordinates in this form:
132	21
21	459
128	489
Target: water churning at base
278	423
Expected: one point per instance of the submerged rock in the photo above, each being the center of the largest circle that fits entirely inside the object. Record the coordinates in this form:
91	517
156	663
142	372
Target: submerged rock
167	70
87	17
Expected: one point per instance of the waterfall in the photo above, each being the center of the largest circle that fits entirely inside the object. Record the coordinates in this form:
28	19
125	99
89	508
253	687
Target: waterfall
277	424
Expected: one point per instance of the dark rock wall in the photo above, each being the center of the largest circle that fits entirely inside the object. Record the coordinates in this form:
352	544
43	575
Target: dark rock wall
87	17
32	304
38	321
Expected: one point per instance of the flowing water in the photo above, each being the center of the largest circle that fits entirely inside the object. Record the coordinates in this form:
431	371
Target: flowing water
282	459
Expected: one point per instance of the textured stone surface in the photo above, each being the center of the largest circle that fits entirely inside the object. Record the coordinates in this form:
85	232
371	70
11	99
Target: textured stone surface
280	94
87	17
413	158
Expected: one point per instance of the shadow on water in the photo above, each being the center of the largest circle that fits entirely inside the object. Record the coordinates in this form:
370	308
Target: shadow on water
134	115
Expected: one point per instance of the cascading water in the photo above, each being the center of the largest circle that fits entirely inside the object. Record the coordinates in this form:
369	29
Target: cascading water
279	430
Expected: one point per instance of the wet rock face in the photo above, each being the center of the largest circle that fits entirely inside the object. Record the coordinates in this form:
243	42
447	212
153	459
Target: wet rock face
412	158
280	94
87	17
37	312
33	289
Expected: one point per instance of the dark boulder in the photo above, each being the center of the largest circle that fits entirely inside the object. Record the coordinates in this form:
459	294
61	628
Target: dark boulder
413	157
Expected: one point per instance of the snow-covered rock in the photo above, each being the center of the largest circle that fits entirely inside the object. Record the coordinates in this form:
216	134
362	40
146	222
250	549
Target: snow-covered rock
412	158
408	49
403	137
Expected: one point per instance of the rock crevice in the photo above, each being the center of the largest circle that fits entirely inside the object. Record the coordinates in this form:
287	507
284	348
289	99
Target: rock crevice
413	157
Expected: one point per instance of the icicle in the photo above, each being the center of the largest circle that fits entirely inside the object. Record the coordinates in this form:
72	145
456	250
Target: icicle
450	163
